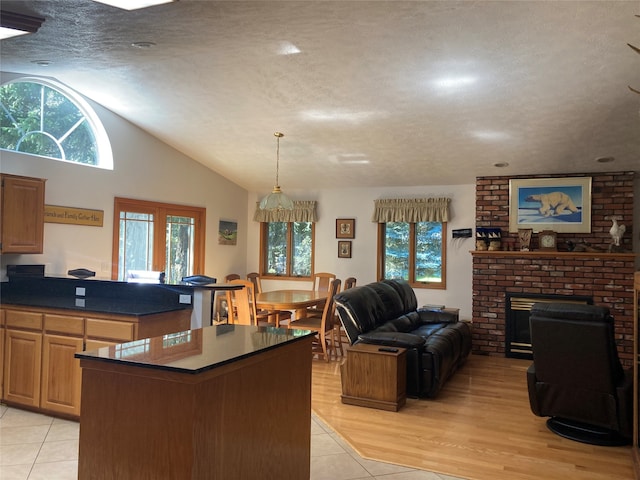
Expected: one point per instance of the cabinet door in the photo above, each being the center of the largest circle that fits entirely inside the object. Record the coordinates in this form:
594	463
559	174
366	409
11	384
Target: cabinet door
21	214
61	374
1	354
23	357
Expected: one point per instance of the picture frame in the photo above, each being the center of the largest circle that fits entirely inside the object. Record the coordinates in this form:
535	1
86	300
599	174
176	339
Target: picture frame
344	249
560	204
227	232
346	228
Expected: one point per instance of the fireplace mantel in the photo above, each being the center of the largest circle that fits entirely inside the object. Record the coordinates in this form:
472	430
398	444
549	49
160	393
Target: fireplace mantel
543	254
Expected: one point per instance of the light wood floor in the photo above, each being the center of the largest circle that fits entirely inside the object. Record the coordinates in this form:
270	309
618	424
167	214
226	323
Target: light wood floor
479	427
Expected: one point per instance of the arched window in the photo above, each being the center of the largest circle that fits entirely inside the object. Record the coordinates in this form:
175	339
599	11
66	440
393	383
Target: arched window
44	118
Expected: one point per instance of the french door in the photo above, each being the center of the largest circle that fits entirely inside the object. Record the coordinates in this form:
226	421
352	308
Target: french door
157	237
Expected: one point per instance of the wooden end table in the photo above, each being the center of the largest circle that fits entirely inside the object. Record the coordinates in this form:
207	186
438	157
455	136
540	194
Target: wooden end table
375	376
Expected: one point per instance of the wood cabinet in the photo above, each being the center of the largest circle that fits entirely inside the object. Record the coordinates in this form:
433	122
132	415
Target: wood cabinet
2	353
23	357
61	373
636	373
21	214
39	364
375	376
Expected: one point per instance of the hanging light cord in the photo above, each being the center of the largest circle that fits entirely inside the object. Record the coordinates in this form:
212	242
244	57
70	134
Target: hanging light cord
278	135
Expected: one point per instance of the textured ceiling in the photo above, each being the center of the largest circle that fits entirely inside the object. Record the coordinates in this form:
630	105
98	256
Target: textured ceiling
382	93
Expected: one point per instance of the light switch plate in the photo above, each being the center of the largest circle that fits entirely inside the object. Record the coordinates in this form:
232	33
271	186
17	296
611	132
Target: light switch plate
185	299
80	291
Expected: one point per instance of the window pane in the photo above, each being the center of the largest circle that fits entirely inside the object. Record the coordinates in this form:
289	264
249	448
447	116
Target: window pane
428	252
396	250
179	254
277	248
135	243
302	243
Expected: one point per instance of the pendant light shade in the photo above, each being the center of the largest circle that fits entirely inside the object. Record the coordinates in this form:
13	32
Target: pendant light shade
277	200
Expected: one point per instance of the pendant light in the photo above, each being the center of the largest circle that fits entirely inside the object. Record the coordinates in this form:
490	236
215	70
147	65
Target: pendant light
277	200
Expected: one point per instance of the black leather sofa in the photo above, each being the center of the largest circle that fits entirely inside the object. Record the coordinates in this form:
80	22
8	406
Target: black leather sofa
386	313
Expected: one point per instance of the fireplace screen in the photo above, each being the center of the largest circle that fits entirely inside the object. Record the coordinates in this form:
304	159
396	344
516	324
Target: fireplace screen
518	308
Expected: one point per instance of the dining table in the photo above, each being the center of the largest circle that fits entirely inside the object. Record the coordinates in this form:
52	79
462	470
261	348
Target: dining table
298	300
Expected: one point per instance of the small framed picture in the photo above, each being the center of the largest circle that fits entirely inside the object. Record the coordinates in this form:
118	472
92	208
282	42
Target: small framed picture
346	228
344	249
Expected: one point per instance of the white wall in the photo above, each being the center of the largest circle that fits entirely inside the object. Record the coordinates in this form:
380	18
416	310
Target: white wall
358	203
144	168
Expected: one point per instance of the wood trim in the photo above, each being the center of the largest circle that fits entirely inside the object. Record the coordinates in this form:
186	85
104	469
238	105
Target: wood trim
540	254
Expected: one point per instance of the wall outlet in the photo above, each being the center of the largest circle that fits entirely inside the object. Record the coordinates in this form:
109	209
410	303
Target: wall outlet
185	299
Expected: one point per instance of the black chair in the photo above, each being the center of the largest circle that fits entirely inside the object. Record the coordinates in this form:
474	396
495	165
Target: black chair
576	377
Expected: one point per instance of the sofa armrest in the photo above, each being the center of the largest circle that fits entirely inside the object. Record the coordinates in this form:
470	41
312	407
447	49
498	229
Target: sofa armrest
392	339
436	316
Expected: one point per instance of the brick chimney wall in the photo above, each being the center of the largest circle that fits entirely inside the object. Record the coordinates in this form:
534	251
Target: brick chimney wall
607	277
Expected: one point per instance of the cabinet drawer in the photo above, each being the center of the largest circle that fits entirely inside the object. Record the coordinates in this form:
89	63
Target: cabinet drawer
64	324
97	328
23	320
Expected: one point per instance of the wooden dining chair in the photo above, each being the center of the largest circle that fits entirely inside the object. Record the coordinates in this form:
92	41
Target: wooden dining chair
339	334
241	311
273	316
322	325
320	283
231	276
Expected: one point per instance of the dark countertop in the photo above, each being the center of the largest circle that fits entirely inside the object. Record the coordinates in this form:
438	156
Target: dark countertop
199	350
98	305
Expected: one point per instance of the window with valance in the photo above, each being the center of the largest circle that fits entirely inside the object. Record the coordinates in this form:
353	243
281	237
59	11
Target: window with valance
412	240
287	240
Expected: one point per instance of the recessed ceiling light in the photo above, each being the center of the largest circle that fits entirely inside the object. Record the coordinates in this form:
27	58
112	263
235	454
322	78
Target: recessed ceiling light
605	159
133	4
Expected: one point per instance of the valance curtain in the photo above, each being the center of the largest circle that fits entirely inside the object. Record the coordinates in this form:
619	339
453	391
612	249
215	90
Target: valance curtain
411	210
303	211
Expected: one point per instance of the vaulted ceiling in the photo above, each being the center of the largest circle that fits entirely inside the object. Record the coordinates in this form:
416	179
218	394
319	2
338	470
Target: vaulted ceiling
367	93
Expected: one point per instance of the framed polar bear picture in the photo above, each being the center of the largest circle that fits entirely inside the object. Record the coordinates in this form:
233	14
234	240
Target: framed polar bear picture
560	204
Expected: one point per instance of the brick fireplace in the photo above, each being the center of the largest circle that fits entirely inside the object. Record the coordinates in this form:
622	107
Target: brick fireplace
607	278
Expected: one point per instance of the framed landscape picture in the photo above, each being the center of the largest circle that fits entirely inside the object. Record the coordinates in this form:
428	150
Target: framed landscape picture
558	204
227	233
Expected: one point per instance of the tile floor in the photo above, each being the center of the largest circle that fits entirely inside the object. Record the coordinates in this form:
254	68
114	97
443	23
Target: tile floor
35	447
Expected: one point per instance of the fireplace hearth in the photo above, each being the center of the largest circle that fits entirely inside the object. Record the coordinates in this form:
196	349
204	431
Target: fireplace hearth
517	311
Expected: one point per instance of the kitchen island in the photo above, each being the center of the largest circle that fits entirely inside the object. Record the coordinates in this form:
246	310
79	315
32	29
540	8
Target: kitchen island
221	402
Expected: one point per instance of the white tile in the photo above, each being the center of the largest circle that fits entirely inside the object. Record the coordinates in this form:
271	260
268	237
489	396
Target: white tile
67	470
19	454
381	468
58	451
14	417
29	434
324	444
341	466
15	472
63	430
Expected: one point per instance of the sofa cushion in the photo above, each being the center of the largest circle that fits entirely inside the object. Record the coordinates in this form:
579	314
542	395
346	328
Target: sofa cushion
393	339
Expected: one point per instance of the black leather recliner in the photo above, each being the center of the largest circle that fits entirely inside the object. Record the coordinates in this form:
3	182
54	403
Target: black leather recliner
576	377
